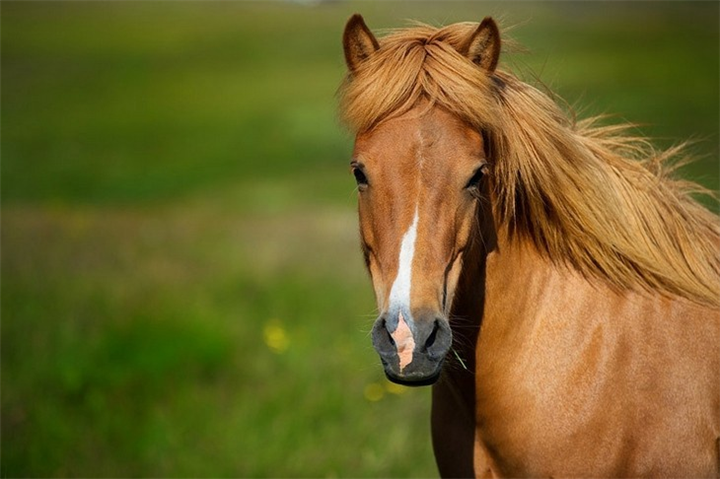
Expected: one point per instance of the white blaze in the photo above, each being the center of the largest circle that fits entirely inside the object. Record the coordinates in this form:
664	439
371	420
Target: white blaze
400	291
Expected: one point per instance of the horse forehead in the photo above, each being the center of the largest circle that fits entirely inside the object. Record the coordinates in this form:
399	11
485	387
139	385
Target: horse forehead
389	138
435	135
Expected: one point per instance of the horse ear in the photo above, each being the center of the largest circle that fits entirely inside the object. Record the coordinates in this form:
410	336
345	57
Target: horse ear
358	42
483	45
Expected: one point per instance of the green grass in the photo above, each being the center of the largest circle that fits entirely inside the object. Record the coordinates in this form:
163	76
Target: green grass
182	289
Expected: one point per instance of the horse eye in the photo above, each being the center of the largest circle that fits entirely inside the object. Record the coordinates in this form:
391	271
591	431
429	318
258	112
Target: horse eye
476	178
360	177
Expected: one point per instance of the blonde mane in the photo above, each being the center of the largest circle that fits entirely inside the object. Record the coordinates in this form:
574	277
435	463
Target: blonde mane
585	195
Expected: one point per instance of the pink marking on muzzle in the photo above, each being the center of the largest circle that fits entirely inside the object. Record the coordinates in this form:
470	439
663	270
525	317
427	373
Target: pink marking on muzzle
404	342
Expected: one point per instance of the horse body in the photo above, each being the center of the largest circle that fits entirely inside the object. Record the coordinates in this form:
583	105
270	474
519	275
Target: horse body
563	297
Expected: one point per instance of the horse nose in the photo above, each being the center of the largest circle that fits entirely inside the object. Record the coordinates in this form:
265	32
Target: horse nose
412	350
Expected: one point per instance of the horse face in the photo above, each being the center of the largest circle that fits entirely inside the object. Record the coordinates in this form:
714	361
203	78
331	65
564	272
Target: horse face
419	179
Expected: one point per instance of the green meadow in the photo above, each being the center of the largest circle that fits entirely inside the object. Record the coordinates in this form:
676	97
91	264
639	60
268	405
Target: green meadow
183	293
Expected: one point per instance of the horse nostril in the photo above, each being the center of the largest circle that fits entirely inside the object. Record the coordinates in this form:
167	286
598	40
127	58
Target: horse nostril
382	340
439	340
433	335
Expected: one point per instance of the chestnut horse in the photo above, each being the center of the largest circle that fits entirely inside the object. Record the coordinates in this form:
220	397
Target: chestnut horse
551	278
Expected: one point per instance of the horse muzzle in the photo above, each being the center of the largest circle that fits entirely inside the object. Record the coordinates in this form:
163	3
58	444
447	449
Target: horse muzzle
412	350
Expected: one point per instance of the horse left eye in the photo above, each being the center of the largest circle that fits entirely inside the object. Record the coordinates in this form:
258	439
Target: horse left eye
476	178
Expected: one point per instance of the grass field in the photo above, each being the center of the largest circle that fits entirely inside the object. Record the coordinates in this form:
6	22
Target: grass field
182	289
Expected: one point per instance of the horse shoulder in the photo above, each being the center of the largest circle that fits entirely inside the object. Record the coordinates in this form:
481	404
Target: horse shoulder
575	378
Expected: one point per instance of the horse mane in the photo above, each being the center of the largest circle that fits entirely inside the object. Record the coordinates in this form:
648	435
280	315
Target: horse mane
591	196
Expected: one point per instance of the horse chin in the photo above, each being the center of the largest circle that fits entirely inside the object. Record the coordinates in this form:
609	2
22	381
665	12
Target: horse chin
425	376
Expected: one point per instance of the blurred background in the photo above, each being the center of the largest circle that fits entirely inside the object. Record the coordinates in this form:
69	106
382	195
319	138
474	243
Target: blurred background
182	288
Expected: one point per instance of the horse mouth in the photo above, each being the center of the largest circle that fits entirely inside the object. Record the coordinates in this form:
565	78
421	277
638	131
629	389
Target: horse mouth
423	373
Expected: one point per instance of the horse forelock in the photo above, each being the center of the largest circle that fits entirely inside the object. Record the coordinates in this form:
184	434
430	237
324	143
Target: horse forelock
415	65
590	196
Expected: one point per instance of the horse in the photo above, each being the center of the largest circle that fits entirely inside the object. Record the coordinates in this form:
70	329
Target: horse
552	278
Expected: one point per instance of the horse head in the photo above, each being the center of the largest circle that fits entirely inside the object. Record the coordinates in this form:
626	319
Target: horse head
421	177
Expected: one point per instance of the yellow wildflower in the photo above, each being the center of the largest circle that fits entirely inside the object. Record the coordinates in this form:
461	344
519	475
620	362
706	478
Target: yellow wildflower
275	336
